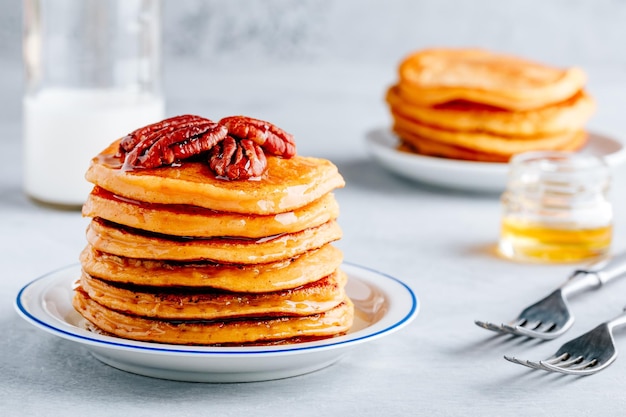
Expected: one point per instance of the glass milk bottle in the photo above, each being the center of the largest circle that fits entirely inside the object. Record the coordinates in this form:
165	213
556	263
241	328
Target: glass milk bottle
92	75
556	208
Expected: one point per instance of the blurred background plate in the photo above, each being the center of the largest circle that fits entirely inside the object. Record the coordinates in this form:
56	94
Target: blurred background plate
485	177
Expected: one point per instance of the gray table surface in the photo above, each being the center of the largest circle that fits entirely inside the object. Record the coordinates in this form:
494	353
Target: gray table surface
440	242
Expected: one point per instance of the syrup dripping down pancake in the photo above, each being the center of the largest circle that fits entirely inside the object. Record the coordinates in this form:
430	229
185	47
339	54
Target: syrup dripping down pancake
287	185
215	332
205	239
183	220
120	240
274	276
209	304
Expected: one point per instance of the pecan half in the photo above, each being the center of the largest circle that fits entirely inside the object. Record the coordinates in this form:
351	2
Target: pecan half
170	140
237	159
132	139
270	137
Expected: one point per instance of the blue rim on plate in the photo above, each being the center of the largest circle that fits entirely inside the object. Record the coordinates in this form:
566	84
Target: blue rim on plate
408	311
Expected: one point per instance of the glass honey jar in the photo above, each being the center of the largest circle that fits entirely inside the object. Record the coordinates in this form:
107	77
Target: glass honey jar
556	208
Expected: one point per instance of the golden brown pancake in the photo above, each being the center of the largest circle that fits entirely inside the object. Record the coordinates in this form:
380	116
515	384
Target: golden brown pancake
287	185
211	332
275	276
183	220
120	240
566	116
442	75
440	150
426	147
179	254
412	131
209	304
417	144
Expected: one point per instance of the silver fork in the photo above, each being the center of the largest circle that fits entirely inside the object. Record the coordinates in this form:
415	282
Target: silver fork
550	317
585	355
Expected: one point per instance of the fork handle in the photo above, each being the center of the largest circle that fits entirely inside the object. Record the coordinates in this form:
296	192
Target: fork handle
618	321
596	274
608	269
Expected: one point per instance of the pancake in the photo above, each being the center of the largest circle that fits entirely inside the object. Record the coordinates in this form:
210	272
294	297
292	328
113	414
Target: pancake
288	184
183	220
411	142
440	150
412	131
209	233
209	304
290	273
566	116
123	241
211	332
443	75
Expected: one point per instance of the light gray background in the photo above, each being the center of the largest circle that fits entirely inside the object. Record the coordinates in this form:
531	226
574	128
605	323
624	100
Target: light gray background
358	39
371	31
319	69
209	37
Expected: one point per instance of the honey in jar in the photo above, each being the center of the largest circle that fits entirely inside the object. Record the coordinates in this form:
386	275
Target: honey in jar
556	208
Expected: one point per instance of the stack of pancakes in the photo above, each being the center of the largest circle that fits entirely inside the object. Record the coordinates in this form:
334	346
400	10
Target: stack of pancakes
477	105
177	255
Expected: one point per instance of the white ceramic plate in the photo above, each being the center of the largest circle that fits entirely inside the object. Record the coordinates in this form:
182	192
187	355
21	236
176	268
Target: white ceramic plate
466	175
383	305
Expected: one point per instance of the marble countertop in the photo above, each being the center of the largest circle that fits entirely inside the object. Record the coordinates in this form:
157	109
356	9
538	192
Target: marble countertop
440	242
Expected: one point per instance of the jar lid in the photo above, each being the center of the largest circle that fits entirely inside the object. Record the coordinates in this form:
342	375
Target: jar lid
560	173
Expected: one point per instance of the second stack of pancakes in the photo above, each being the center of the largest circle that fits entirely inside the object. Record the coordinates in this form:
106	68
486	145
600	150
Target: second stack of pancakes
176	255
478	105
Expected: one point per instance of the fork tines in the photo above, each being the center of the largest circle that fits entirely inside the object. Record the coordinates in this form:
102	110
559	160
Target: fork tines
562	363
536	329
490	326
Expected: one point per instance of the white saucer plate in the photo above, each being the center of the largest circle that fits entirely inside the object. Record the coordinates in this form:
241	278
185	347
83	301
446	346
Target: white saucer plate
485	177
383	305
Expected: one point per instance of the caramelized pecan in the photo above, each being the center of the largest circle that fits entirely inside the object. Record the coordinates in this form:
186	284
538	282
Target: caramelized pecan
170	140
234	146
132	139
237	159
271	138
